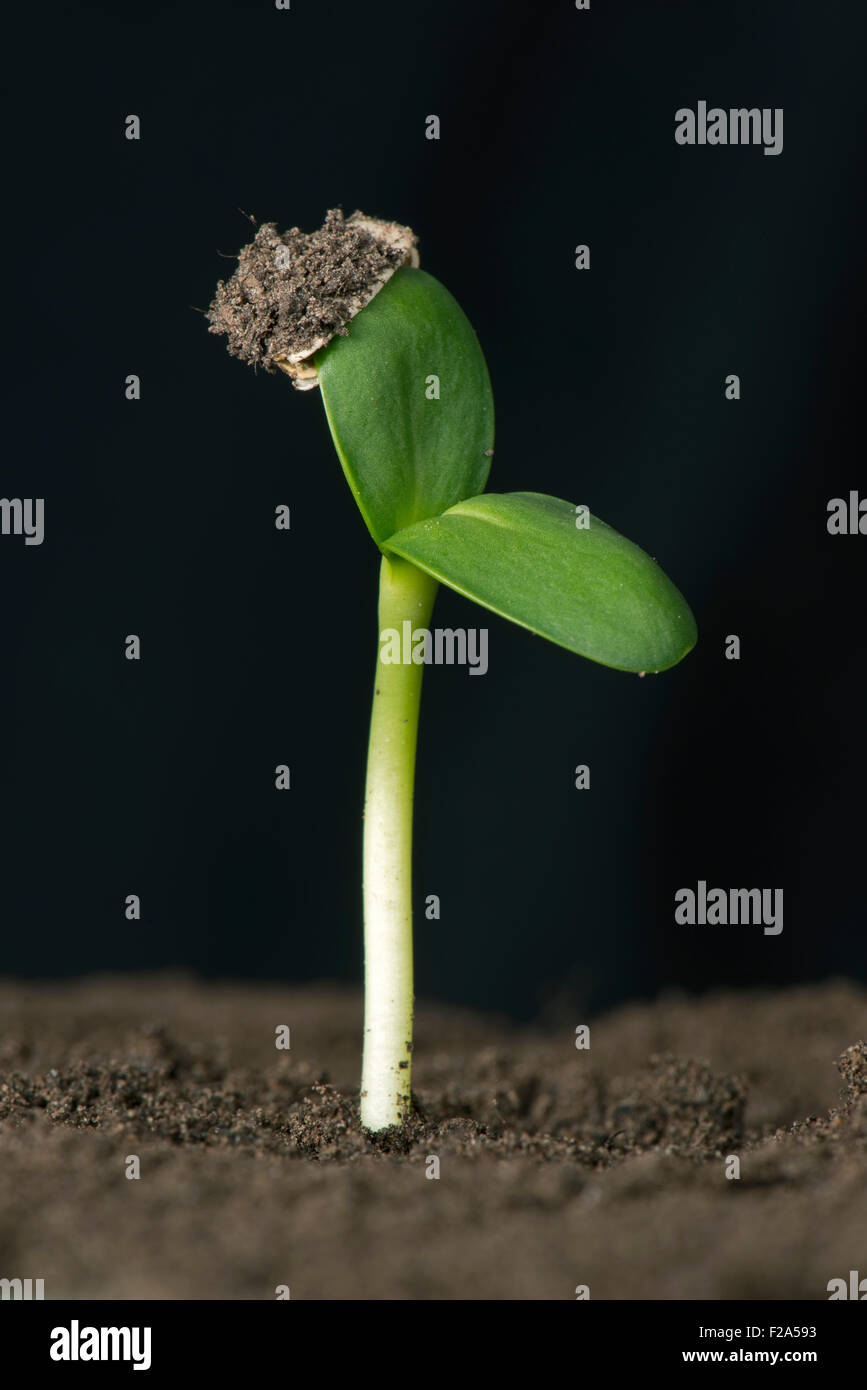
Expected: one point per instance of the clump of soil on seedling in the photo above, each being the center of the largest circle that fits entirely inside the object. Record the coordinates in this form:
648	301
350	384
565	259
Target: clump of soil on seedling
294	291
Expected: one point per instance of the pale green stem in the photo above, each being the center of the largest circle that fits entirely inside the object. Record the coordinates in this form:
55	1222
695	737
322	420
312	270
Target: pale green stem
406	595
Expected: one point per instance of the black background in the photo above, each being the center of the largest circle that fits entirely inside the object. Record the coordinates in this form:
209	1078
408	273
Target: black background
557	127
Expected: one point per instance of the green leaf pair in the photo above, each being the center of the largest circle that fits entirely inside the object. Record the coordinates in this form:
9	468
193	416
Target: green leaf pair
409	404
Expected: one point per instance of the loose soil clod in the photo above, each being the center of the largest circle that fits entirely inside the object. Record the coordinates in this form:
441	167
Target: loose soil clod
294	291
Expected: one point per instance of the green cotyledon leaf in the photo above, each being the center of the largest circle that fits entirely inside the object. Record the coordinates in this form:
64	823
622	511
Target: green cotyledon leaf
522	555
409	404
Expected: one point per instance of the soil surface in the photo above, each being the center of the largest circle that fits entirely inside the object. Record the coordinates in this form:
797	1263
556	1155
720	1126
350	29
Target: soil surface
558	1167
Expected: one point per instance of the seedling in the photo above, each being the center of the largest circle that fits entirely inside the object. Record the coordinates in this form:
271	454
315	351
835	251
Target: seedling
408	402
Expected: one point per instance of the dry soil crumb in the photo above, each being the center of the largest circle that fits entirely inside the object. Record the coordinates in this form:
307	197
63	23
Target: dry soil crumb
293	291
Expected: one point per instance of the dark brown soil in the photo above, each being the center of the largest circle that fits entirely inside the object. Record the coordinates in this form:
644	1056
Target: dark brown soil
557	1167
292	291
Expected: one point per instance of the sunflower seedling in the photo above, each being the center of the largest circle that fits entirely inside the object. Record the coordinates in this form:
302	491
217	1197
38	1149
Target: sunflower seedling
408	402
